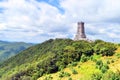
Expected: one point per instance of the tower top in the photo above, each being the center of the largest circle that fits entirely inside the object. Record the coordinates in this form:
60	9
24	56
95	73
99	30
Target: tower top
80	23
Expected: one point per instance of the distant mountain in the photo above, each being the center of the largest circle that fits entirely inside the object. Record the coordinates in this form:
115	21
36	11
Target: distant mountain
9	49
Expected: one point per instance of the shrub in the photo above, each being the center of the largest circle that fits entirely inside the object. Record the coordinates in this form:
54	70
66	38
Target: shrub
61	74
64	74
74	64
104	68
95	57
111	76
84	58
105	48
118	55
108	62
67	74
70	78
49	77
112	61
78	66
99	64
74	71
61	65
96	76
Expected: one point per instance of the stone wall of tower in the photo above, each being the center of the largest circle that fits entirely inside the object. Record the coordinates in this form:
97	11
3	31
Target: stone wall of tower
80	32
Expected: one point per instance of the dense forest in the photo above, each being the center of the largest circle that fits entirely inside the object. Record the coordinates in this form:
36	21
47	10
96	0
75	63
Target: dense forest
54	55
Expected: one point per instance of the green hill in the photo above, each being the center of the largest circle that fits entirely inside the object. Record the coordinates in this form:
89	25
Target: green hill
9	49
54	55
90	70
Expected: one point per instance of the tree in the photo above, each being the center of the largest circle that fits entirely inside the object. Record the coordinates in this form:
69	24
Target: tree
105	48
83	47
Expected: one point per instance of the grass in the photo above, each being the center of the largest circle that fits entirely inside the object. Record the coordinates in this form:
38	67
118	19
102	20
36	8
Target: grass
86	69
83	72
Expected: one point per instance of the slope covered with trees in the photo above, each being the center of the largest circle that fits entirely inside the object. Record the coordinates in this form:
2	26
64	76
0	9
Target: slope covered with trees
52	56
9	49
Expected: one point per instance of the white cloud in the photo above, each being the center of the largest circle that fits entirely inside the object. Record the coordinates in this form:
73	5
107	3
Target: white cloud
33	21
34	17
102	17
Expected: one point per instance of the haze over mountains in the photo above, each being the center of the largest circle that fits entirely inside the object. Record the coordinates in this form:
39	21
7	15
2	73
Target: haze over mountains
9	49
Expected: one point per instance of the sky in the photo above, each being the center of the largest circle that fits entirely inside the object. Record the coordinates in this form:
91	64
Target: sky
36	21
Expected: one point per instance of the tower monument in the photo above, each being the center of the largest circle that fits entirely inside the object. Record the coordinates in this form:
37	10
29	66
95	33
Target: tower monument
80	32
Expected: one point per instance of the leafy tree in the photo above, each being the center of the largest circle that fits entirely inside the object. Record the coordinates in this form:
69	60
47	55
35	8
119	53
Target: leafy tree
105	48
83	47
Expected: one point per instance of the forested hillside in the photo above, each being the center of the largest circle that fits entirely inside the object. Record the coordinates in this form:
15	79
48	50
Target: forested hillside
52	56
9	49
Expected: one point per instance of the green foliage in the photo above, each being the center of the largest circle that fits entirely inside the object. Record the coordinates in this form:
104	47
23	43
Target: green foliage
98	41
74	71
111	76
96	76
118	55
64	74
99	62
49	77
84	58
103	67
78	66
74	64
60	65
83	47
112	61
95	57
70	78
70	55
49	57
42	57
105	48
108	62
9	49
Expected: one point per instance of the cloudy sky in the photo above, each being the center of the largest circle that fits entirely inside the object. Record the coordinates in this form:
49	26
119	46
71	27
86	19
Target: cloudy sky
39	20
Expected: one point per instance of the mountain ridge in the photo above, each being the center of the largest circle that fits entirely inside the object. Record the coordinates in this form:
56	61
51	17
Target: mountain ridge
51	56
9	49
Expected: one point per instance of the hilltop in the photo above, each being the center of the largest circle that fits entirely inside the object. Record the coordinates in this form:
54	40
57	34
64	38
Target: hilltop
54	56
9	49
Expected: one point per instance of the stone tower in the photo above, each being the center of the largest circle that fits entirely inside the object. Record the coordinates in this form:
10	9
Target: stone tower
80	32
